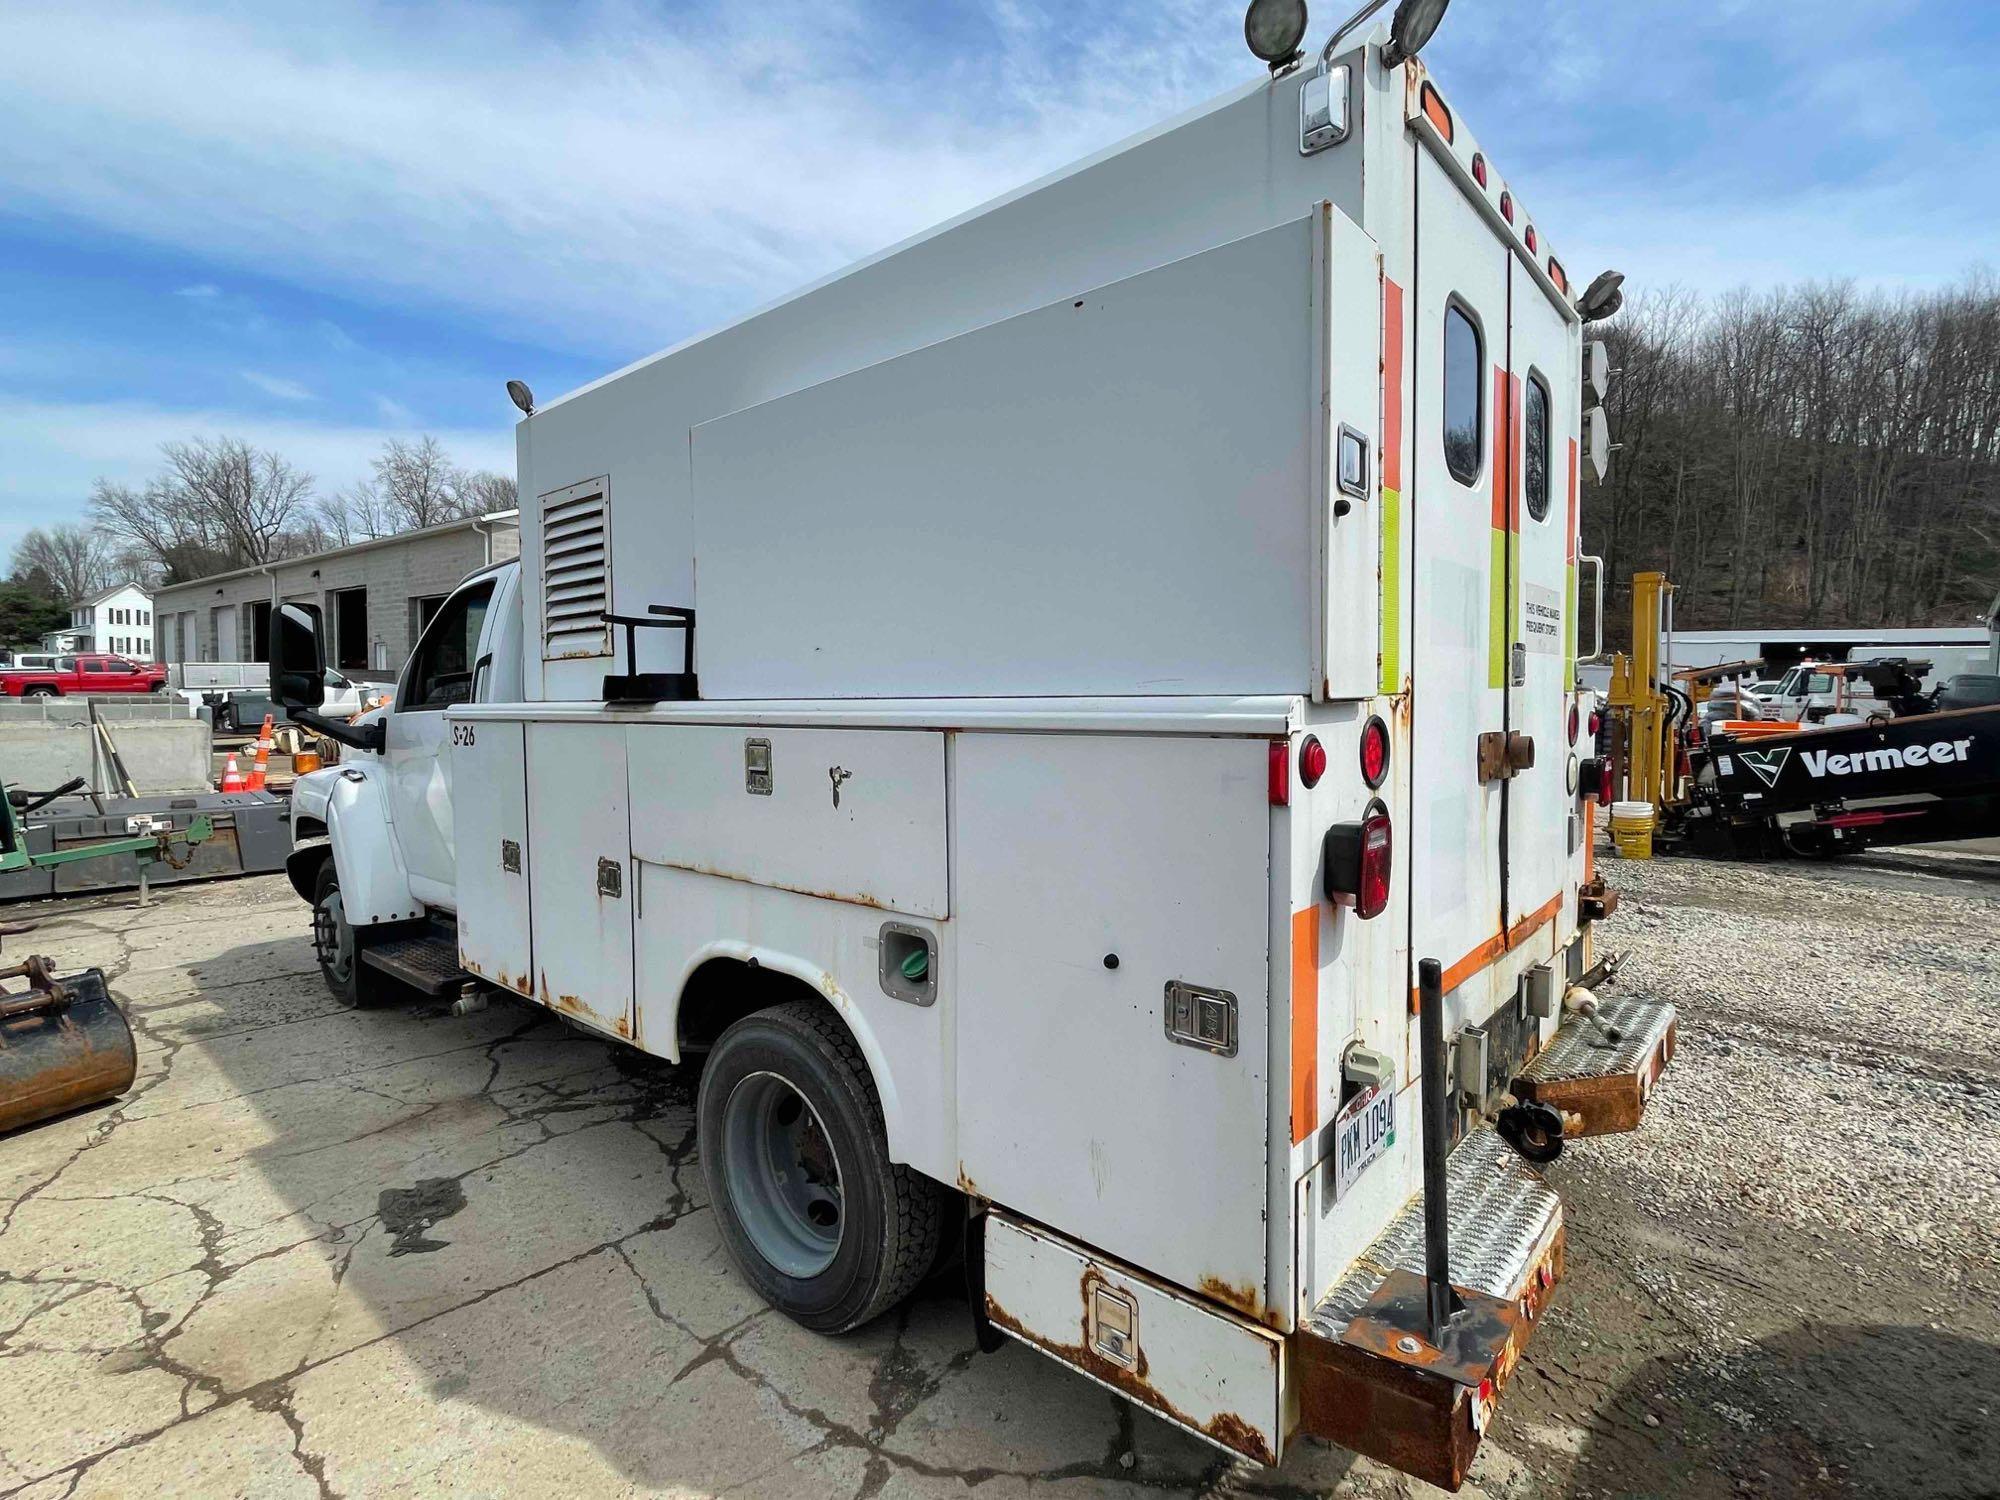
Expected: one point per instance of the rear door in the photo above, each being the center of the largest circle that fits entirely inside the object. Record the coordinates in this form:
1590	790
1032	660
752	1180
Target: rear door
1458	505
1543	406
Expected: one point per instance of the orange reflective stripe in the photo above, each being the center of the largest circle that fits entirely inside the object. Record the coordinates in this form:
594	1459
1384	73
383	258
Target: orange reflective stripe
1495	946
1305	1023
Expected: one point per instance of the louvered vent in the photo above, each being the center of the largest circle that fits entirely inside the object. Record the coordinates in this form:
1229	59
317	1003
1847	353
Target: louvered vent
576	573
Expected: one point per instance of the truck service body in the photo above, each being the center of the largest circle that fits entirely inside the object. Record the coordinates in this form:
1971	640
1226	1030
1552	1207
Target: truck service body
1126	630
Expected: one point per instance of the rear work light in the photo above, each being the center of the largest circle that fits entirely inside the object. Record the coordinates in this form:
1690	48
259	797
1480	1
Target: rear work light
1312	761
1358	858
1374	752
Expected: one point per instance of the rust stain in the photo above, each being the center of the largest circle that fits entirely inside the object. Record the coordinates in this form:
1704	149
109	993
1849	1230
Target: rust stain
848	898
1226	1428
966	1185
1244	1299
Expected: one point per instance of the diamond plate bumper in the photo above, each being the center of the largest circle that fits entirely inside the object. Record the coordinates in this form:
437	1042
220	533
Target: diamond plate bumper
1605	1084
1369	1377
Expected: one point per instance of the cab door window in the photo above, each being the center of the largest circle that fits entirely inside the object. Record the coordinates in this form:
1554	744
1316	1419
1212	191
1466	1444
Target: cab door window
440	673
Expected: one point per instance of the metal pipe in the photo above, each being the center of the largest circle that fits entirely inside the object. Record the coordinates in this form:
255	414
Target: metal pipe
1326	52
1441	1300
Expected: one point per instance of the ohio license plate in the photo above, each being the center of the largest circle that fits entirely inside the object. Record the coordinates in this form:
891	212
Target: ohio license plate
1363	1130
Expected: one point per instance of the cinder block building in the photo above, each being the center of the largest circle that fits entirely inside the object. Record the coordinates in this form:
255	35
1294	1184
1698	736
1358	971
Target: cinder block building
377	595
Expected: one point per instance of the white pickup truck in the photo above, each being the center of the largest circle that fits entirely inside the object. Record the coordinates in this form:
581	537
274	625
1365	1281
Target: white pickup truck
1074	722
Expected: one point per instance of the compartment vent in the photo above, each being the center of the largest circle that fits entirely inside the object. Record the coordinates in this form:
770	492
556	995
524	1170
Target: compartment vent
576	572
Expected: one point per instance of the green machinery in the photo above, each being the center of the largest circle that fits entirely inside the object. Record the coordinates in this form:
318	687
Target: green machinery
63	1041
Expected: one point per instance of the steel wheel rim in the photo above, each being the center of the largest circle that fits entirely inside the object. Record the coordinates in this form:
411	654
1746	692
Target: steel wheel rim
783	1175
333	939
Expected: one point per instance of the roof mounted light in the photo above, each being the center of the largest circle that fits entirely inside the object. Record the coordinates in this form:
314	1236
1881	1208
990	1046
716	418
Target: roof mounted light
521	396
1416	21
1602	297
1273	29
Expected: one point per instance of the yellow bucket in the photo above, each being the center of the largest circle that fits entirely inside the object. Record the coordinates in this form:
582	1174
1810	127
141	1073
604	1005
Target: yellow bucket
1632	829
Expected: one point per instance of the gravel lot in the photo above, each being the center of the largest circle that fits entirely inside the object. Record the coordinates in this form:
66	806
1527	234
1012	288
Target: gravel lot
402	1252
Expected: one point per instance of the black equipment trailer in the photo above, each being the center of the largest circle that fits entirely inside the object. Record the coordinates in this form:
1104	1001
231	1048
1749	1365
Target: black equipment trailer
1925	779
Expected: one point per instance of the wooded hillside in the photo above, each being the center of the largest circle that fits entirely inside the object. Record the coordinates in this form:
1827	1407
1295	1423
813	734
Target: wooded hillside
1806	456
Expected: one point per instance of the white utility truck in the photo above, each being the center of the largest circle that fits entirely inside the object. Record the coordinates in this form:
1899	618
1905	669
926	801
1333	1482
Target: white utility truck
1074	720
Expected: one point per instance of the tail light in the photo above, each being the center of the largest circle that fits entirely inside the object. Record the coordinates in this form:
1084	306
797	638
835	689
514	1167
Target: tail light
1359	858
1575	722
1312	761
1374	752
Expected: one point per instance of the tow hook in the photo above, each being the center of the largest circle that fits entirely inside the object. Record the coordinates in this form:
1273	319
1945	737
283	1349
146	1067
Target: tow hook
1534	1130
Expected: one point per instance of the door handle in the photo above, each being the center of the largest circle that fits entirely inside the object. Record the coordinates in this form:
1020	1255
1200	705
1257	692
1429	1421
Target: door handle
1597	637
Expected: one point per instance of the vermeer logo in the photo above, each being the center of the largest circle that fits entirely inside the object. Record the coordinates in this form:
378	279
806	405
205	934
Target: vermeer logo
1940	753
1766	763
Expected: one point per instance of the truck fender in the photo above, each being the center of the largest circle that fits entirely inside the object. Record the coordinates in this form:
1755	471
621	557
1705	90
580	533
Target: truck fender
374	885
829	989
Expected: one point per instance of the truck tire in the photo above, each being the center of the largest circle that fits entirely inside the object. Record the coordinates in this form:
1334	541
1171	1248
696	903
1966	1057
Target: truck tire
225	718
337	945
41	690
817	1218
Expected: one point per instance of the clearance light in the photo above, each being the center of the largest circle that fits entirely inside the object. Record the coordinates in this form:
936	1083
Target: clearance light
1358	859
1531	239
1374	752
1436	113
1507	206
1479	168
1575	722
1312	761
1280	774
1556	275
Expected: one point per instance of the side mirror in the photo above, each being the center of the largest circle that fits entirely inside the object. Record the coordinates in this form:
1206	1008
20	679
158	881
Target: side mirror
298	656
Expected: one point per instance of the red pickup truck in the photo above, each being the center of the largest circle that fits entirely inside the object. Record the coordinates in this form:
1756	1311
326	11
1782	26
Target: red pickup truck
82	675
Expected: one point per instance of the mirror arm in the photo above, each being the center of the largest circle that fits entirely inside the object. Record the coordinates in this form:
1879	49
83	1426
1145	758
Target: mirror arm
371	736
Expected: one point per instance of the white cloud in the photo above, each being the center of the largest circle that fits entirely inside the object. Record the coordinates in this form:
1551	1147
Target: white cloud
277	385
586	182
60	449
201	291
394	413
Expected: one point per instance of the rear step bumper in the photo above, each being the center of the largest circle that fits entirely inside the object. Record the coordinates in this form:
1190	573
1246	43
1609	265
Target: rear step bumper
427	961
1368	1376
1606	1084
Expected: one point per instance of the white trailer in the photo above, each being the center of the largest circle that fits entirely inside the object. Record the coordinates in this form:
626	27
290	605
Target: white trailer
1112	756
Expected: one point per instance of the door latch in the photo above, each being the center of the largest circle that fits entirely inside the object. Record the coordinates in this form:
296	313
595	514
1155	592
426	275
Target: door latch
1505	754
510	856
610	878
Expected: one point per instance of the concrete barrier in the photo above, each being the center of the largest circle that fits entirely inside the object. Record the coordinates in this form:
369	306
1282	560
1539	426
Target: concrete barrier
37	756
163	755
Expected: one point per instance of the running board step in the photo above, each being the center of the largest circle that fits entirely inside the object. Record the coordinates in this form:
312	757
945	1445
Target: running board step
1605	1084
426	961
1369	1376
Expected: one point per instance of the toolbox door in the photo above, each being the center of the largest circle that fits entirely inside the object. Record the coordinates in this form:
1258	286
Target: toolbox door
492	854
580	877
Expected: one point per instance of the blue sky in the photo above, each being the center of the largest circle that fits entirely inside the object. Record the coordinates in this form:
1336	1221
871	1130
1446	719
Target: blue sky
320	226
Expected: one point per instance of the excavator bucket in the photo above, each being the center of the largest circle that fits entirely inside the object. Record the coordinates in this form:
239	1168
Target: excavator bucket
63	1044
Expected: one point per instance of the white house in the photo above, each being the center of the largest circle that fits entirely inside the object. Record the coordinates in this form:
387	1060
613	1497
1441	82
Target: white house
120	620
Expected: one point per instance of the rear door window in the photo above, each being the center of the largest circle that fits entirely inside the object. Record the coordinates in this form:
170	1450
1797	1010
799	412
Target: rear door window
1535	442
1464	425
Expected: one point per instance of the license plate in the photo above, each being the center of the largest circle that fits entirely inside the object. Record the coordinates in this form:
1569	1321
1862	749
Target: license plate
1363	1130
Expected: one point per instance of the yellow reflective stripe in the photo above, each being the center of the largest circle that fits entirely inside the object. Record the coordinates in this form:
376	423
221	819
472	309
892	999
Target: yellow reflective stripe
1496	624
1391	654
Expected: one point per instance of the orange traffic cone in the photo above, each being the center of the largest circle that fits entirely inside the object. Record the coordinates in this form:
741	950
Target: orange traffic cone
232	776
262	764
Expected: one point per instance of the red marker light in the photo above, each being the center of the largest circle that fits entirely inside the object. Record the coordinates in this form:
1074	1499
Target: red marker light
1531	239
1281	774
1507	206
1575	722
1479	168
1374	752
1312	761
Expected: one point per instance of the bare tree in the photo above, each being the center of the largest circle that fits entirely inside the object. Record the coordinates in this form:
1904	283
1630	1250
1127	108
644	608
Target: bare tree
415	482
481	492
219	504
76	560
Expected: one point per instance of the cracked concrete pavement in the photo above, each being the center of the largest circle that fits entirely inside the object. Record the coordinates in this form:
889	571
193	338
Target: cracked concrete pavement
322	1252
